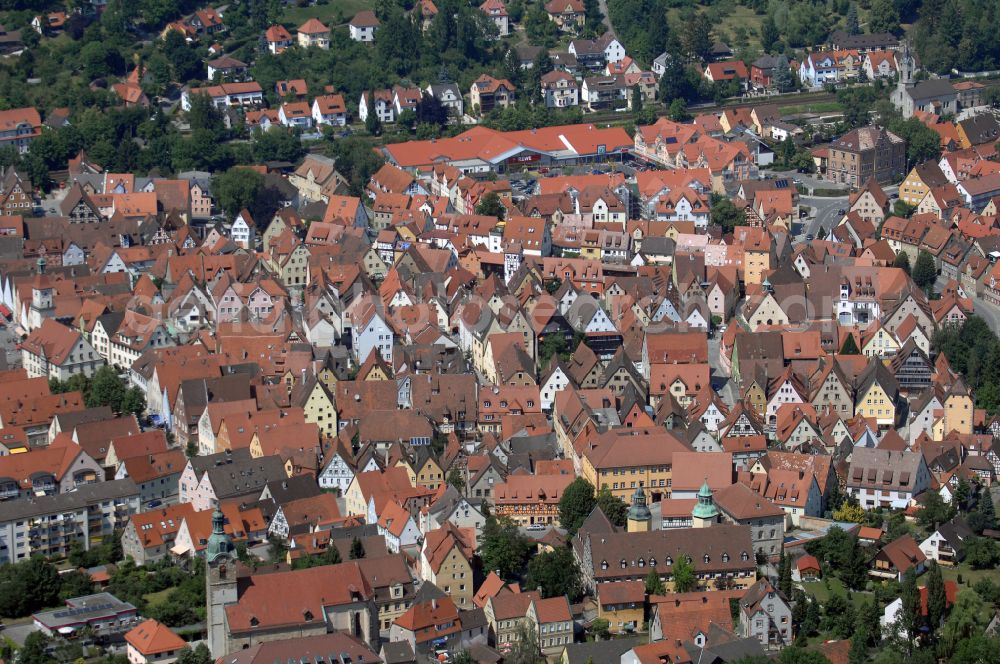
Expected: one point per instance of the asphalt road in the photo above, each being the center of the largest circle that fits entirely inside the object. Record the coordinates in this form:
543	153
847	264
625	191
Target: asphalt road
988	312
826	213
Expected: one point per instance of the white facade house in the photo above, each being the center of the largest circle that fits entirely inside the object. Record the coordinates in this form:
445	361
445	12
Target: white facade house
338	474
244	230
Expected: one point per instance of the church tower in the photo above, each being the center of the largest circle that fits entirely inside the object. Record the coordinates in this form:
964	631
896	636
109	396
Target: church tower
639	518
220	587
42	295
705	513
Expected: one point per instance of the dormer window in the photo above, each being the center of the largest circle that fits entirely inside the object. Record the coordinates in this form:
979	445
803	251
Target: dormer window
725	557
604	564
744	556
642	563
624	564
707	559
670	561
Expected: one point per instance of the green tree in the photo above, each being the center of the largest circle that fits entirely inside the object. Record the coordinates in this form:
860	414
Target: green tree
236	189
986	510
783	79
34	649
491	205
850	346
556	574
725	214
924	272
960	500
934	510
75	584
576	504
356	161
685	579
678	111
937	601
524	646
199	655
357	549
849	511
910	617
456	479
902	261
203	114
785	575
769	34
966	620
277	145
883	17
613	507
697	36
851	25
654	585
981	552
636	100
903	209
503	548
373	125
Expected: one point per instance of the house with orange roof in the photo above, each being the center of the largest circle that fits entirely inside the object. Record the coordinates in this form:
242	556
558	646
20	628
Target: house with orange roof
152	642
496	11
568	15
436	622
295	114
729	70
313	33
19	126
59	468
278	39
363	26
56	351
530	499
622	605
487	93
446	560
148	537
304	515
329	110
157	475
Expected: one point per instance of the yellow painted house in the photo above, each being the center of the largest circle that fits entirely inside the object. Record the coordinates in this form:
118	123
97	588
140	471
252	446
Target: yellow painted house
876	395
958	410
621	463
422	470
919	181
765	311
879	343
317	402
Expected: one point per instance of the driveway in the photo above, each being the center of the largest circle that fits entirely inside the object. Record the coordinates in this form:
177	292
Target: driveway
18	633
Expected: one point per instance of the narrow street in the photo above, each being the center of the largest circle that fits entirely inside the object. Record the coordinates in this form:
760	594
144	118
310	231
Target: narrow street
603	4
988	312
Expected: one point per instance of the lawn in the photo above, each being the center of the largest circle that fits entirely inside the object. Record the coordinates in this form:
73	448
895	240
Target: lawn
969	575
337	12
157	598
728	17
817	107
819	590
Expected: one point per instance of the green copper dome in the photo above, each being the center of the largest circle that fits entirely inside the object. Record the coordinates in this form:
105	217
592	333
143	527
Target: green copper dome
705	509
638	511
219	544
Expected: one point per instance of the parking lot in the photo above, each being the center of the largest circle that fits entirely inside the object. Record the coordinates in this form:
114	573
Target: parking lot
8	344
